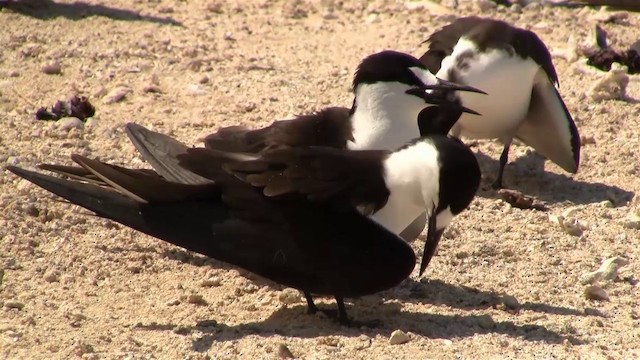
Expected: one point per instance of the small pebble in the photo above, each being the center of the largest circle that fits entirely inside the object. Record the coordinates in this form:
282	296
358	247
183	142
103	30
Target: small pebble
152	88
486	321
289	296
51	276
204	79
13	304
173	302
607	271
484	5
195	90
215	7
196	299
294	9
67	124
284	352
398	337
612	86
329	15
372	18
115	95
52	68
510	302
594	292
211	282
632	221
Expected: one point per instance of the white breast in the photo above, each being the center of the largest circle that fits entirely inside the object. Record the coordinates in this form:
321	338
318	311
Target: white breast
385	116
508	81
412	176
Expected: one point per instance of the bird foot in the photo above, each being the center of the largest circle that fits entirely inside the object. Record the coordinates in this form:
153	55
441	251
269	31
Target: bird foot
345	321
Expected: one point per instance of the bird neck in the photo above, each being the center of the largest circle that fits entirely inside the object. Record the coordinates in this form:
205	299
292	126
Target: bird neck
384	116
412	176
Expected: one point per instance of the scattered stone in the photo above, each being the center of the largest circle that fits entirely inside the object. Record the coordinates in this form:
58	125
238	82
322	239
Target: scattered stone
249	107
196	299
594	292
484	5
51	276
295	9
609	17
13	304
608	271
632	221
399	337
211	282
32	210
522	201
613	86
116	95
1	276
569	224
510	302
486	321
228	36
70	123
152	88
82	348
204	79
181	330
173	302
195	90
289	296
215	7
372	18
51	68
284	352
329	15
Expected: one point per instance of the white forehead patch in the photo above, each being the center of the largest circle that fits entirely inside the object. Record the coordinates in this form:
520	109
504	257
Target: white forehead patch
424	75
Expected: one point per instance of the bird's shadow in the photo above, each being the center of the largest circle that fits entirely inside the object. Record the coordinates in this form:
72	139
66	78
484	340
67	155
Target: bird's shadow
48	9
293	322
527	174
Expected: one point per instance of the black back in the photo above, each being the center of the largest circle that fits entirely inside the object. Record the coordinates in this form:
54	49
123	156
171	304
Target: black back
327	127
488	34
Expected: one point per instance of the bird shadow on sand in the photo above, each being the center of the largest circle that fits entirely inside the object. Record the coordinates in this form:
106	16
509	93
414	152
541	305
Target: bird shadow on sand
426	291
294	322
48	9
527	174
437	292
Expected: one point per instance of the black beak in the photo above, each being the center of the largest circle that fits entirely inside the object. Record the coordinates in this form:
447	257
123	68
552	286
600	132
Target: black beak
445	85
439	95
433	238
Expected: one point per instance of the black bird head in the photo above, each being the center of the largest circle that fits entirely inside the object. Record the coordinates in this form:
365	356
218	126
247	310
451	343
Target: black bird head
395	67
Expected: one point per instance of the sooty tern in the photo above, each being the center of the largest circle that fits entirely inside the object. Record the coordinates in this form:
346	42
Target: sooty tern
294	215
388	90
514	67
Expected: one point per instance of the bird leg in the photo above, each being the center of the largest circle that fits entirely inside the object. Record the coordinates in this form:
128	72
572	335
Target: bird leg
311	306
340	314
504	157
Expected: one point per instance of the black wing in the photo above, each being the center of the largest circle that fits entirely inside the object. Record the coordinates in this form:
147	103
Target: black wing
328	127
341	178
487	34
302	244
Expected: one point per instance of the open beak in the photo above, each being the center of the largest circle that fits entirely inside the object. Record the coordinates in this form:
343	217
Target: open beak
433	238
445	85
439	95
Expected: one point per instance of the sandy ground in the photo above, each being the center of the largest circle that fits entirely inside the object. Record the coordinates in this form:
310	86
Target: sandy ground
76	286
